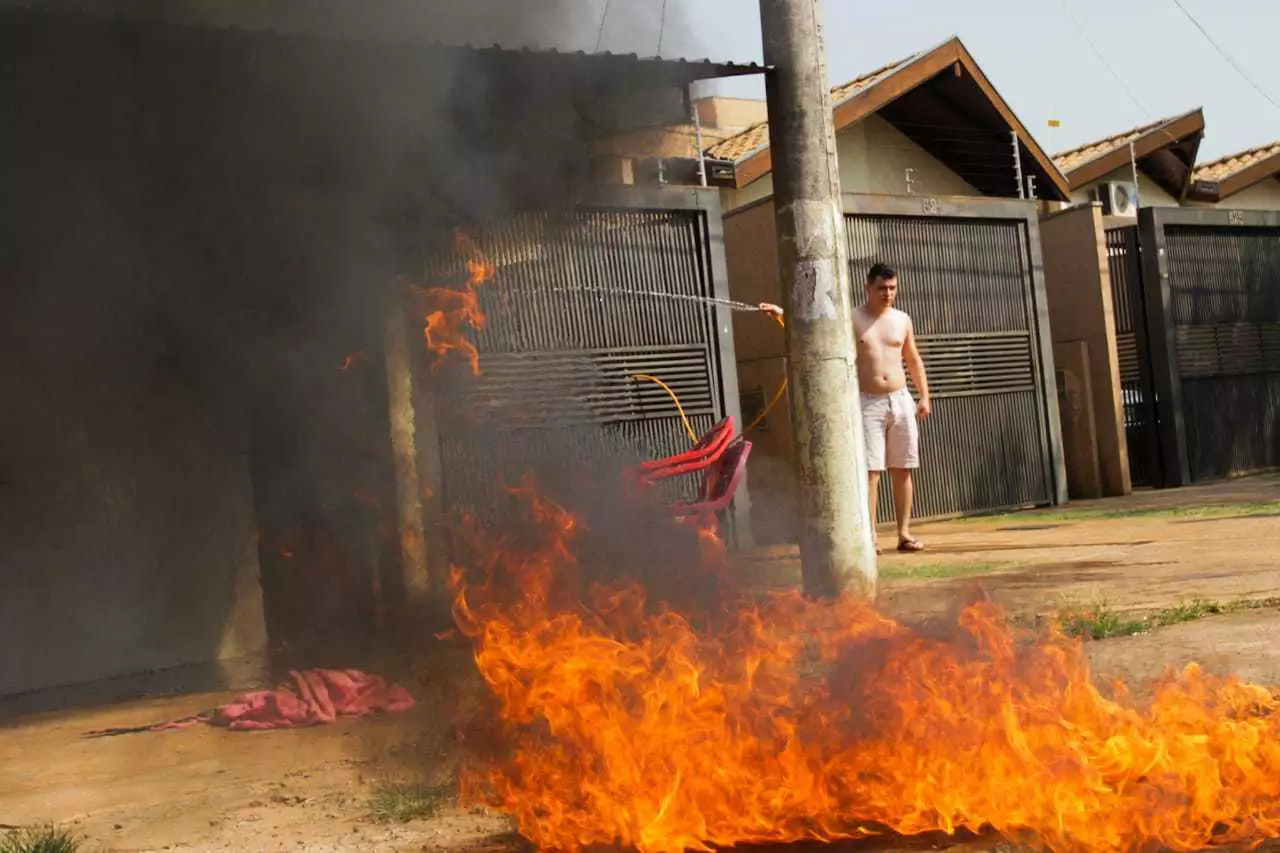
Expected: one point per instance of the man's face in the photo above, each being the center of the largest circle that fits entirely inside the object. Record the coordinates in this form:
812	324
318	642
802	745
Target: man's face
882	292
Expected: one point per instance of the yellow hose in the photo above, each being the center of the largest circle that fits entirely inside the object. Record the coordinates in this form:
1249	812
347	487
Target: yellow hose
693	436
688	427
777	395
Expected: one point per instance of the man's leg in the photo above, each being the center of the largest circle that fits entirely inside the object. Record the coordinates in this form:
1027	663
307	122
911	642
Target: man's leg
902	455
875	413
873	497
903	489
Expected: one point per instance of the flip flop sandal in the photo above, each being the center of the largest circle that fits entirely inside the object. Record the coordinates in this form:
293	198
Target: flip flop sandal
910	546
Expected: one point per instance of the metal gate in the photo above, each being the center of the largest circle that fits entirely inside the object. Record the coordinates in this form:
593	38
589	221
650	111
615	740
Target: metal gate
971	279
558	351
1224	291
1124	262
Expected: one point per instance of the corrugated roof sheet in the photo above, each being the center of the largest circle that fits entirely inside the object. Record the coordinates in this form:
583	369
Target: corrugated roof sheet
756	137
703	68
1232	164
1069	161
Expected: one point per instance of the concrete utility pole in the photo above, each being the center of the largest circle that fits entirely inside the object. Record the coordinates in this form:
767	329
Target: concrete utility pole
414	574
836	553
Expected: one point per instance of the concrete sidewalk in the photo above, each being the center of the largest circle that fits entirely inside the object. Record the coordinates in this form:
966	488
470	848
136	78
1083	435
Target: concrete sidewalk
1147	551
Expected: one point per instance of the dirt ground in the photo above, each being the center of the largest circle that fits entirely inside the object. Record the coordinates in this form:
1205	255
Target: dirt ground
212	790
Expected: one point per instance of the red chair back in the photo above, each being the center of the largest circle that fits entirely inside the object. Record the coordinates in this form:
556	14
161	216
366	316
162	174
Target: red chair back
719	482
704	453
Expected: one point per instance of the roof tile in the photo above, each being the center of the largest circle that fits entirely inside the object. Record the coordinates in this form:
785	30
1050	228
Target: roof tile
1226	167
1069	161
737	148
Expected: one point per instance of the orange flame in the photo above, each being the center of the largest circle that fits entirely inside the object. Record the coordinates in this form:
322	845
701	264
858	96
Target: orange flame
451	311
351	361
780	719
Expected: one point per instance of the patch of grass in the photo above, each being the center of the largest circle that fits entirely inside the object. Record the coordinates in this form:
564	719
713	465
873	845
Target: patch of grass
935	571
1188	612
400	802
1253	604
1238	509
39	839
1098	621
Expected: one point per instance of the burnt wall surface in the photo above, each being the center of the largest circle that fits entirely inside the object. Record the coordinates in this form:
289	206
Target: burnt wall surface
198	228
126	512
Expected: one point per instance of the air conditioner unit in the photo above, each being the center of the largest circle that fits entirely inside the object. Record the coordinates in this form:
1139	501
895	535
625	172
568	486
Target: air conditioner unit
1119	198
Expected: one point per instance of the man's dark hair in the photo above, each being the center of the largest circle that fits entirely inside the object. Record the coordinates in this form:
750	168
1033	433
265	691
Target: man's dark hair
880	272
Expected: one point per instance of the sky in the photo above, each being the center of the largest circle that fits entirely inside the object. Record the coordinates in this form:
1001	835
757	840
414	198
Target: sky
1035	52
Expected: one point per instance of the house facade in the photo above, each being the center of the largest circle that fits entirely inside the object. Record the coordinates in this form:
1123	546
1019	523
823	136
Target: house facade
936	173
1140	267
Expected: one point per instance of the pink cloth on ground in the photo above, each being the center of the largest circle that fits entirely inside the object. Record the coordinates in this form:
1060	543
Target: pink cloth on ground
316	697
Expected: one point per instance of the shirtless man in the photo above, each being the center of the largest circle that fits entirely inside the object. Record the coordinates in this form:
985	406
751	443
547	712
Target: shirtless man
886	338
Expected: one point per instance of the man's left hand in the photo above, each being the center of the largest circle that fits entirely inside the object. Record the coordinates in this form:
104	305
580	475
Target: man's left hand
924	408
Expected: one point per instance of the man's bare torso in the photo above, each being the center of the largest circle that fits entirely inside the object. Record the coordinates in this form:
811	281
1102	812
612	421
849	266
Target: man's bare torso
880	342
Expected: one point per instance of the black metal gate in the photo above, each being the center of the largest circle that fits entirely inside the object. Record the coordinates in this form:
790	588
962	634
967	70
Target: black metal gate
1124	262
1224	287
560	347
970	279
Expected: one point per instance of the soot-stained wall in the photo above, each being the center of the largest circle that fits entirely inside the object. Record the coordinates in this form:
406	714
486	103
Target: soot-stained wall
189	222
197	227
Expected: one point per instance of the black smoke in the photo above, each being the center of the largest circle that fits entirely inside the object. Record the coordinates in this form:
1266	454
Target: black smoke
207	207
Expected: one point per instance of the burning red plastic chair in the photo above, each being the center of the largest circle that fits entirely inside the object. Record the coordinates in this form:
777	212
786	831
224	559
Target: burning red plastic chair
702	455
720	458
719	482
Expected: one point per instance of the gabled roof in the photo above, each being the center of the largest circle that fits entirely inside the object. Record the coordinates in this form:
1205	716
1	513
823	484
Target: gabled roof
927	105
1163	142
1229	175
756	137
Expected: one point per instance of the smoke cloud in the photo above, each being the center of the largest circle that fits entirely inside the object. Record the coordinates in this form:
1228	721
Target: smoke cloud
207	207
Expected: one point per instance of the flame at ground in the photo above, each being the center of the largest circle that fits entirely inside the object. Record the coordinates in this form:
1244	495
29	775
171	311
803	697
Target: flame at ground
451	311
780	719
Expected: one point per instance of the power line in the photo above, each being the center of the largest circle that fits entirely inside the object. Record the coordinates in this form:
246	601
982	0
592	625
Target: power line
662	25
1226	56
1098	53
604	16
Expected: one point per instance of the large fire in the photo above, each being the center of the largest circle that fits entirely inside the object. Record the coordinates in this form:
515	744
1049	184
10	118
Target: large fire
771	718
450	311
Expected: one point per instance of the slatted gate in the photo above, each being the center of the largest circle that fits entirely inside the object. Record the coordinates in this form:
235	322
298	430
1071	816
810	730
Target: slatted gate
1137	390
555	392
1224	288
968	285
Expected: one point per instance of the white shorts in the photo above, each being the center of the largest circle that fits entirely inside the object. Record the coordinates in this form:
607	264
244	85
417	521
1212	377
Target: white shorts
889	430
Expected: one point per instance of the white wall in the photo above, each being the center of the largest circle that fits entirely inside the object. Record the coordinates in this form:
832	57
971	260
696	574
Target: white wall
1150	194
1261	196
873	156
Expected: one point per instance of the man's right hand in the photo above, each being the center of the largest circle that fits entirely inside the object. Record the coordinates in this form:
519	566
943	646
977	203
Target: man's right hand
770	308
